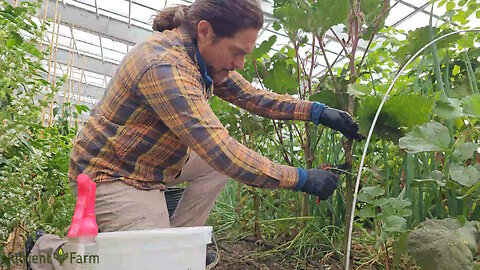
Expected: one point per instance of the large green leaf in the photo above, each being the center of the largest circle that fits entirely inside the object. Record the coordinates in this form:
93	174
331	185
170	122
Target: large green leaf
280	78
465	176
448	108
397	115
444	244
332	99
431	136
310	17
294	16
368	194
435	177
371	10
465	151
421	37
330	12
471	105
366	212
264	48
395	223
406	111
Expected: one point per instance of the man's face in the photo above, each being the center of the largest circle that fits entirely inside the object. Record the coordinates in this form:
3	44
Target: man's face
223	55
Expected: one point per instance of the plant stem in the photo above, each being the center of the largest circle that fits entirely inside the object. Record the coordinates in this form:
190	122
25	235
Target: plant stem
471	74
387	170
436	63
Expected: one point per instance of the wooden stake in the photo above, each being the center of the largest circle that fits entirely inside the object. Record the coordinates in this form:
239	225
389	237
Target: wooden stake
54	73
79	93
70	86
71	82
40	44
79	97
15	3
67	82
53	37
51	47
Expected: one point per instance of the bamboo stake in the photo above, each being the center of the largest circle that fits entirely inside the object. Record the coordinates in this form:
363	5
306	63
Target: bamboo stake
15	3
70	86
51	47
40	43
71	82
65	88
53	37
54	72
79	93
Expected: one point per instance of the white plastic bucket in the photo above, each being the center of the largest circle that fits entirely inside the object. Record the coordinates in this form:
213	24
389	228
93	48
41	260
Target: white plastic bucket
160	249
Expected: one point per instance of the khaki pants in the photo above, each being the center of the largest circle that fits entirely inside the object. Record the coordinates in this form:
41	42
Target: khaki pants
119	207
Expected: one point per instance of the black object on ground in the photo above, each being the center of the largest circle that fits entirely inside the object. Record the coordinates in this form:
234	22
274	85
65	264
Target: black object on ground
173	196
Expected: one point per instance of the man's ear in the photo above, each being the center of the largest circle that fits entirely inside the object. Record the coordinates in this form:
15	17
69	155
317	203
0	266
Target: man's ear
205	31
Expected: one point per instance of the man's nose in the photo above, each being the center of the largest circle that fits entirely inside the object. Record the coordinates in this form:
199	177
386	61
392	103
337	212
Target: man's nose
239	63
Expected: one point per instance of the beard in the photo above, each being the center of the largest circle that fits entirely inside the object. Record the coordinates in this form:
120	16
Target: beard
218	76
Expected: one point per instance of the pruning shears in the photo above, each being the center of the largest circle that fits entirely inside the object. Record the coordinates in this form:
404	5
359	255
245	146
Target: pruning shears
335	169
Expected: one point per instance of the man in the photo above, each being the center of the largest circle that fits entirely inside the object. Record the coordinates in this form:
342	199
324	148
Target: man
154	127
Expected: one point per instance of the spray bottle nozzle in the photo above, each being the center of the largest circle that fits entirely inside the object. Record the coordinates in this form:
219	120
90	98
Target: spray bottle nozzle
84	221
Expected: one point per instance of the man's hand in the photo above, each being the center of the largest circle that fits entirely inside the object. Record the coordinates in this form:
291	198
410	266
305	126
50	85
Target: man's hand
320	183
341	121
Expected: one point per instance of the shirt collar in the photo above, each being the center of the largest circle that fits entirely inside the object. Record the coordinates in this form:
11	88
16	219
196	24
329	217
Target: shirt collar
193	52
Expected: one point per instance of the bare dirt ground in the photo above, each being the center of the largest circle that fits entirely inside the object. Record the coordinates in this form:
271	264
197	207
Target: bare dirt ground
251	254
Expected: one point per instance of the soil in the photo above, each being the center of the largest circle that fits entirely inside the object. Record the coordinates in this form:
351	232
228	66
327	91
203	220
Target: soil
251	254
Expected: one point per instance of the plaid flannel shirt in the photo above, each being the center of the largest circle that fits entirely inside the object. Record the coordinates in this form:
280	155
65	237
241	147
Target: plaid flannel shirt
155	110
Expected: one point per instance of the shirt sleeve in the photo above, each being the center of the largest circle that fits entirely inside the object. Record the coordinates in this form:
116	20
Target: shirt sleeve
236	90
176	95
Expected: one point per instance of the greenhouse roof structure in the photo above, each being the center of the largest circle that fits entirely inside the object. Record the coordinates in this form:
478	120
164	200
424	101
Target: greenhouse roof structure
100	33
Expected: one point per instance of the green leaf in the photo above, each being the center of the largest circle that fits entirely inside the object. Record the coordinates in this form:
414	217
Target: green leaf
420	37
430	137
471	105
399	249
448	108
280	79
81	108
455	70
18	39
471	190
289	14
466	176
465	151
443	244
450	6
398	204
396	116
330	12
366	212
358	90
264	48
11	42
379	202
477	14
368	194
401	114
371	10
435	177
460	16
310	17
332	99
395	224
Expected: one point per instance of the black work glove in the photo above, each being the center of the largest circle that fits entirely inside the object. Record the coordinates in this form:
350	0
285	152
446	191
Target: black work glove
341	121
320	183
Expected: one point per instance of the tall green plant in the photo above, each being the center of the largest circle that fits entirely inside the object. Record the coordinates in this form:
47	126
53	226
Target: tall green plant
34	159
